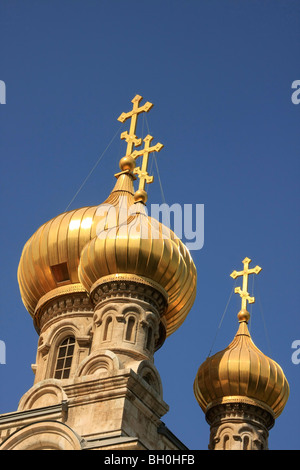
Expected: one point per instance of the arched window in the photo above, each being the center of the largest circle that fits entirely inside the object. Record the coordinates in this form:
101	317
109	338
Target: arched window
64	358
107	329
148	378
149	338
130	329
246	443
226	443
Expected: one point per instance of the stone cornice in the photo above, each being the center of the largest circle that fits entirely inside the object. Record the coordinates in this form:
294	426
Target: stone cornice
132	287
68	303
123	384
10	422
240	411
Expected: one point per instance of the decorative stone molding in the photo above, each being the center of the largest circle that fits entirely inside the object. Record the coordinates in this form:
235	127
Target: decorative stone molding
74	325
133	287
99	362
80	329
128	327
248	409
12	422
45	393
239	426
73	302
120	309
148	372
44	435
44	347
120	305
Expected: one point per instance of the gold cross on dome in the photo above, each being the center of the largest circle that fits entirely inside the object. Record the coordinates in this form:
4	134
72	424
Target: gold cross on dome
142	172
244	291
130	137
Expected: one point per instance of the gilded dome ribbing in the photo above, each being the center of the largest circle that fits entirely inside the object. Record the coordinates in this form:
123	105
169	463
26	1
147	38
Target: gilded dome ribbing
50	258
143	248
241	373
71	241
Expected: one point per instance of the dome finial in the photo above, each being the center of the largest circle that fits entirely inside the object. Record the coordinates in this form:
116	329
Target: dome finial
142	172
244	315
130	137
127	163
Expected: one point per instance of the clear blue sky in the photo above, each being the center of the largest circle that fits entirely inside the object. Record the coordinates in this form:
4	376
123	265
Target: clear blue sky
219	73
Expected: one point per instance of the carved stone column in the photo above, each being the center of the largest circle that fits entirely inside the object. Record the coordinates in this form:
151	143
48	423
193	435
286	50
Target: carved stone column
128	319
239	426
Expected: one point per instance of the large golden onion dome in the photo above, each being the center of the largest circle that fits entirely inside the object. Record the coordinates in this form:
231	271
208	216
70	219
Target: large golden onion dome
67	254
143	248
241	373
49	262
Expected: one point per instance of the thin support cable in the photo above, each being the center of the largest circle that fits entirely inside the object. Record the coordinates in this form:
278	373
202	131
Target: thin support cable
143	125
93	169
150	172
156	165
120	153
222	318
147	124
264	322
159	180
251	305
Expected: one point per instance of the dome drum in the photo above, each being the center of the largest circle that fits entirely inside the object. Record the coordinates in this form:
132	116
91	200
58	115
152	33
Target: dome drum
72	297
240	405
132	289
130	285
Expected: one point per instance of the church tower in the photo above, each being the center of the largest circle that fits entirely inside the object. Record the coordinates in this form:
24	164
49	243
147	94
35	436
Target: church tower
240	390
105	285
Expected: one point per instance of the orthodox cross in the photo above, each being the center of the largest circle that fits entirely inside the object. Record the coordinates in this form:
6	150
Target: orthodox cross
244	291
130	137
132	140
142	172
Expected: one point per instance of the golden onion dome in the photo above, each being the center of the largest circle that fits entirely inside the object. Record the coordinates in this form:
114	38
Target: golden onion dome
68	254
143	248
49	262
241	373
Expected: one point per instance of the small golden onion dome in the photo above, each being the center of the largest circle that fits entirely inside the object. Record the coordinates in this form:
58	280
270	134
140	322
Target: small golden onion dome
143	248
241	373
49	262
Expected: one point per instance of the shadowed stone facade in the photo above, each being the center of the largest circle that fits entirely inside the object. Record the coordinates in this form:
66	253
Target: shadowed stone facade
112	397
